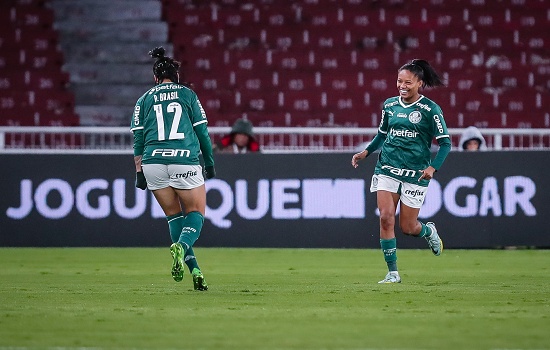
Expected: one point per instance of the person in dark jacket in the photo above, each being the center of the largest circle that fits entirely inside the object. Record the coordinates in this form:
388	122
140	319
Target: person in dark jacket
240	140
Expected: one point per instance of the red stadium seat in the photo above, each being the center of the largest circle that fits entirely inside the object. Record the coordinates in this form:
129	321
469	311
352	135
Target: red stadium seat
296	80
517	119
251	80
304	101
329	56
33	79
290	60
267	101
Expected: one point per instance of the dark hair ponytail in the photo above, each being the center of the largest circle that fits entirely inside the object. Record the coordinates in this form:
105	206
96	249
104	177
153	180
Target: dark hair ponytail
424	71
164	67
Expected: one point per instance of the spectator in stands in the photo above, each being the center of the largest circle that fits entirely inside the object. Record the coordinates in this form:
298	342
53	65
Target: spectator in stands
240	140
472	140
170	130
404	168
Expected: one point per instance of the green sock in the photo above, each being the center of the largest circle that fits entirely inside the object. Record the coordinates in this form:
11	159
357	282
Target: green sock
190	259
175	225
389	248
426	231
192	226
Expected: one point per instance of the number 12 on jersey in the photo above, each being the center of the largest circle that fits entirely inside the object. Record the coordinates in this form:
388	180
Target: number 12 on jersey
172	108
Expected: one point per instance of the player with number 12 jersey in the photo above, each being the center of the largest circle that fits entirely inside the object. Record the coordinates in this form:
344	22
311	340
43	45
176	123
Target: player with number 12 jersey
168	114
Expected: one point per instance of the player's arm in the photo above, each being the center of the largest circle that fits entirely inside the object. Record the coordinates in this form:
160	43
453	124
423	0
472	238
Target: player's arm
442	152
200	125
139	145
376	142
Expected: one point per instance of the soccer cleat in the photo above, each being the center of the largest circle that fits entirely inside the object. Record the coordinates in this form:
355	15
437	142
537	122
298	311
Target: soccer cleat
199	283
391	277
177	264
434	241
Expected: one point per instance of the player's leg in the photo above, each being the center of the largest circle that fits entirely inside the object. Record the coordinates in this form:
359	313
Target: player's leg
387	204
169	202
175	224
387	197
408	217
194	202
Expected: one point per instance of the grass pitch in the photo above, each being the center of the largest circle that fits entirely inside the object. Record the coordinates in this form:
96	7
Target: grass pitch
274	299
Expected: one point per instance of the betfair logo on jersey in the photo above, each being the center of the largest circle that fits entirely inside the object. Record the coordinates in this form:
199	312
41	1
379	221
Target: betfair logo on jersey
403	133
171	152
165	87
400	172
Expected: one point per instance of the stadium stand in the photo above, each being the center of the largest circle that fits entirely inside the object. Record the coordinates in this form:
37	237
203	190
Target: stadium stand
330	63
278	63
33	88
105	45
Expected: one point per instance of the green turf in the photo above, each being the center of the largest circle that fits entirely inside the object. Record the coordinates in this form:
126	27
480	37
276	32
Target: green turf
274	299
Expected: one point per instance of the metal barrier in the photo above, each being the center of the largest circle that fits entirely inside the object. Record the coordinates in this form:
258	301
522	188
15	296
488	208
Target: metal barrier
115	140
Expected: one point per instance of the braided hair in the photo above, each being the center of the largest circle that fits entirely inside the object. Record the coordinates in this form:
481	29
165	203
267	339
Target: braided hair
423	71
164	67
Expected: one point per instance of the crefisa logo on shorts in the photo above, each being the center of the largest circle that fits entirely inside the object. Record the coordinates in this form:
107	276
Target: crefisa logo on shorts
185	175
414	193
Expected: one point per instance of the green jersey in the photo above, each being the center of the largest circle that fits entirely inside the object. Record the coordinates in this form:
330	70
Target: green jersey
168	115
409	130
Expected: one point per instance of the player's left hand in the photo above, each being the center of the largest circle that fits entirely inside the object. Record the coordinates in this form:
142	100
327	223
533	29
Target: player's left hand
427	174
141	183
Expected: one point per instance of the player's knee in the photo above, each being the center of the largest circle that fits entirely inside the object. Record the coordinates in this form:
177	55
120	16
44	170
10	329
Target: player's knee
387	220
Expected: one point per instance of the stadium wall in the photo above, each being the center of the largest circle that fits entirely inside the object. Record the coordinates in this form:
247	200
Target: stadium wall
478	200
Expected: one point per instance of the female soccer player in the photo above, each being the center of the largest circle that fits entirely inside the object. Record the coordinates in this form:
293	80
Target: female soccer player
409	123
170	130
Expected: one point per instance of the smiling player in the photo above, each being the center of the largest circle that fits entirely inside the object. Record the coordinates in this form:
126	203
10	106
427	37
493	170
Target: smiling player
409	123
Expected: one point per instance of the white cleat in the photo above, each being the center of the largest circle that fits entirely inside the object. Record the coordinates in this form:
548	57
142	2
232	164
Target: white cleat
391	277
434	241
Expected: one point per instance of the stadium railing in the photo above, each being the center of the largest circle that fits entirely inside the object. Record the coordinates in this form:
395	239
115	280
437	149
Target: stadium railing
112	140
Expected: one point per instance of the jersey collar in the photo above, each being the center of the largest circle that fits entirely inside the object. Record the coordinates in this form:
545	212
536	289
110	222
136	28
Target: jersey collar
409	105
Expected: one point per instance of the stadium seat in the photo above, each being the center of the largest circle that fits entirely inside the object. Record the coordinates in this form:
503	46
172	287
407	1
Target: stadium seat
33	79
251	80
516	119
267	101
290	60
297	80
322	53
304	101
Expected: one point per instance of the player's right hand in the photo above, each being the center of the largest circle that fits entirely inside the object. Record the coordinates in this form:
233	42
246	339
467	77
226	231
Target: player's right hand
357	157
